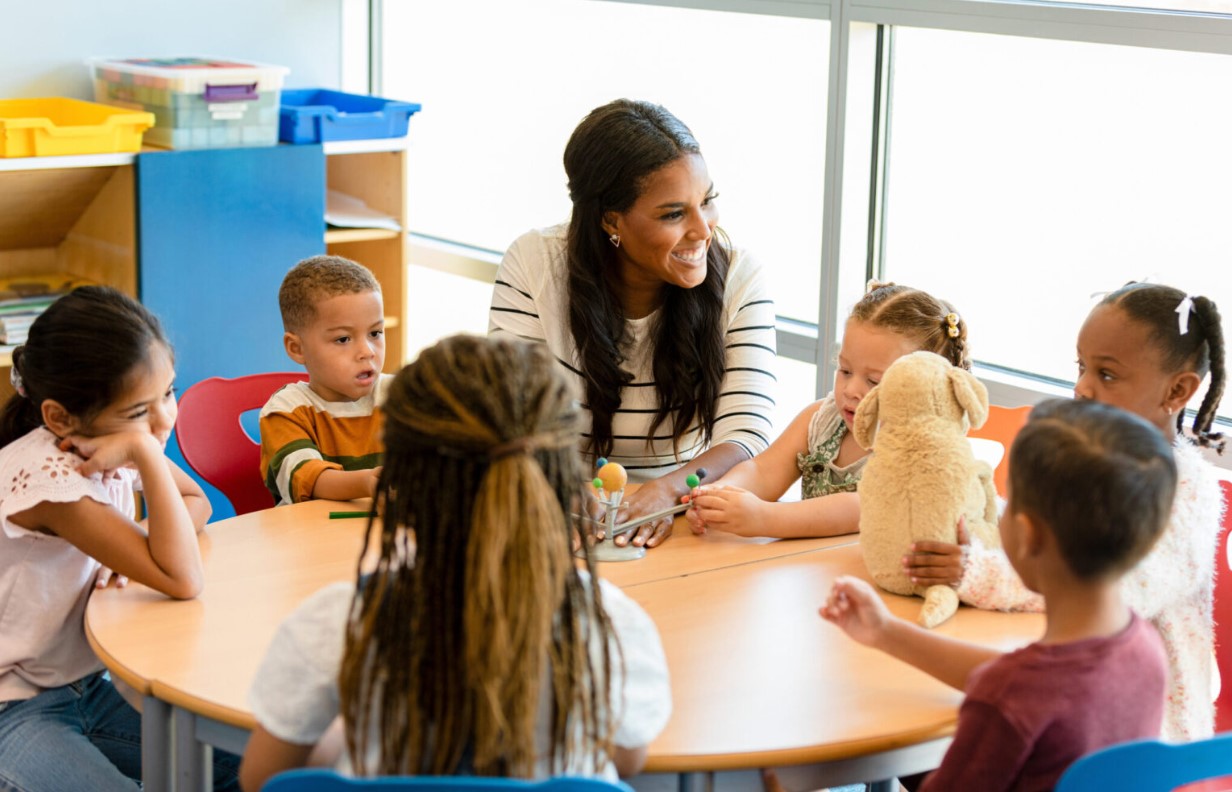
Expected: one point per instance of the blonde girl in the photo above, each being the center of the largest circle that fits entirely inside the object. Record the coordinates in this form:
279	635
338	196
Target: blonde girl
888	322
93	409
1145	348
476	645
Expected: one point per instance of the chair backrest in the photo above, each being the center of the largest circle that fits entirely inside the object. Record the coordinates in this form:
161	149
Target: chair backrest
316	780
213	441
1149	765
1223	615
1002	425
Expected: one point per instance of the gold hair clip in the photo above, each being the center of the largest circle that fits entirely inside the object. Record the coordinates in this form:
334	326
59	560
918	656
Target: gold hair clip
951	320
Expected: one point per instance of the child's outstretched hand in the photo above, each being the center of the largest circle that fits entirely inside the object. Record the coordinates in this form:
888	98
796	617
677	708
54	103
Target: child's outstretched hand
938	563
727	508
854	606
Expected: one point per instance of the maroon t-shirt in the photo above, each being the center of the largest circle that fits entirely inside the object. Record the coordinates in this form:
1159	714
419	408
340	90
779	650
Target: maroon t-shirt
1029	714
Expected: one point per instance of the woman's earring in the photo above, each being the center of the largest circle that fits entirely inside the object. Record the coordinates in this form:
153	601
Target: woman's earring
614	239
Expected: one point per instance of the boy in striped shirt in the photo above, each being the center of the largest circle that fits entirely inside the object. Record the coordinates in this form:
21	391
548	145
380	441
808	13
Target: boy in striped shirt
321	438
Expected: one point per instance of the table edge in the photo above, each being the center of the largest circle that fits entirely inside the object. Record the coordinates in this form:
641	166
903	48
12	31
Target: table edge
801	755
202	708
114	666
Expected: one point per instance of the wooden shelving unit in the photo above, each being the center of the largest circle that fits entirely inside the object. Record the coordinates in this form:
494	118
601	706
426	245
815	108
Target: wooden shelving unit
77	216
68	215
374	171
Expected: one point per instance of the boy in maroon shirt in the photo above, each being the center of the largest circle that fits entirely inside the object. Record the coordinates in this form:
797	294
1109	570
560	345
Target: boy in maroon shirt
1090	490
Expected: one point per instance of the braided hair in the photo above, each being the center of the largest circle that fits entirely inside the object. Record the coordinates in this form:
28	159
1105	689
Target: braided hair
475	603
932	323
1200	349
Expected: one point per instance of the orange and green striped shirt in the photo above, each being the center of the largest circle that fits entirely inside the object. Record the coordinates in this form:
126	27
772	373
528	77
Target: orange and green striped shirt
303	435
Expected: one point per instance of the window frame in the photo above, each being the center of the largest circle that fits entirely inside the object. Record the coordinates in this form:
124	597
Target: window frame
817	342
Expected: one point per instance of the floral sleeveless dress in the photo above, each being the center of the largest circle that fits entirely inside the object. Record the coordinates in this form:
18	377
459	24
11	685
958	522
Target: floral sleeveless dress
818	474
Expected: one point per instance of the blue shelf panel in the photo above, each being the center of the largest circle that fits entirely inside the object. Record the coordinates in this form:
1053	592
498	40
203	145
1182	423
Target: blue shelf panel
217	229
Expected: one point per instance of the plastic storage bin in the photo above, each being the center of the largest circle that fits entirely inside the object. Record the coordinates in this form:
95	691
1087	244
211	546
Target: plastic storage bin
197	102
58	127
317	116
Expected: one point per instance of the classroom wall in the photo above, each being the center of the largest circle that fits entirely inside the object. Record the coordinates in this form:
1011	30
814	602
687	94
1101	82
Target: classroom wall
46	43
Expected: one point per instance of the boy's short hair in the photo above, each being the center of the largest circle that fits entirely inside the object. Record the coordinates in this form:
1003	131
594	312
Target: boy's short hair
318	278
1099	478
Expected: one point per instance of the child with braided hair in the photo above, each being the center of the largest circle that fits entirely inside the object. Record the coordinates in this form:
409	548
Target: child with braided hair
1145	348
890	321
475	645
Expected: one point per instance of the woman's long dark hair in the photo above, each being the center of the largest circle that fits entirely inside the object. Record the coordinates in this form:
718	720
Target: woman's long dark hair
608	159
80	352
477	604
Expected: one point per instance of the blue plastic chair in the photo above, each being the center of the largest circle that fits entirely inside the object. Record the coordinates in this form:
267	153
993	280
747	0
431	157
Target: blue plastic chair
1149	765
317	780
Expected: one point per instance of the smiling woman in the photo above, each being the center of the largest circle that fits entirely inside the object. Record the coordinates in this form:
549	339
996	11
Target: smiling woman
667	327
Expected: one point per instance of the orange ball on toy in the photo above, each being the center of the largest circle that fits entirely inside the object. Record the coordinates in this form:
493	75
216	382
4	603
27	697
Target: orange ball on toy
613	476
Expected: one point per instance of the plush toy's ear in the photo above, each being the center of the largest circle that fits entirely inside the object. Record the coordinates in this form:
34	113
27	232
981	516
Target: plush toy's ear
971	394
864	426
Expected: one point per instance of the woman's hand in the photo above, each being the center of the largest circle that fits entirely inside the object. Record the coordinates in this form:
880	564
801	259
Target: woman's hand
854	607
651	497
593	514
938	563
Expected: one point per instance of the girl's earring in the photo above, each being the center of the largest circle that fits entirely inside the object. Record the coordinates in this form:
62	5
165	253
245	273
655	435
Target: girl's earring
1169	411
614	239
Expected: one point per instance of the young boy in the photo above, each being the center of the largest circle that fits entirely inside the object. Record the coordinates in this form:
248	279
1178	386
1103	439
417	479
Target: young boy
1090	490
321	438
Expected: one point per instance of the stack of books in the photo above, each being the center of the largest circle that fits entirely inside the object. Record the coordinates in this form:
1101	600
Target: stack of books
23	298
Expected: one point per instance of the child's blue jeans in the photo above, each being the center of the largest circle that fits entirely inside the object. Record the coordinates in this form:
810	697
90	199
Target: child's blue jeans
83	735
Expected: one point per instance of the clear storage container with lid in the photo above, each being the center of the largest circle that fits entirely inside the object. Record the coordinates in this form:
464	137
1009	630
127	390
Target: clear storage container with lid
196	102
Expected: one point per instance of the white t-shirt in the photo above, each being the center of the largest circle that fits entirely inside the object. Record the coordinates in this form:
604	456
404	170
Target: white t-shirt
295	693
530	300
45	581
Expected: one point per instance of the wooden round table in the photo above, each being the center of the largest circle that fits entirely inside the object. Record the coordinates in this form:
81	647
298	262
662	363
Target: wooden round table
758	679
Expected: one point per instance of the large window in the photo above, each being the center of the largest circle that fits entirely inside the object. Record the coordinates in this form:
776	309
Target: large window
1013	157
1027	175
501	98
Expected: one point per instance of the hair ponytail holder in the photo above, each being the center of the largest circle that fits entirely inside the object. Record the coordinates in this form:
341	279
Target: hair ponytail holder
522	445
1182	314
951	320
16	381
529	444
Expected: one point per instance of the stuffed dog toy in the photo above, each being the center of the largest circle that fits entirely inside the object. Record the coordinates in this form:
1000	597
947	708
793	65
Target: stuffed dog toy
922	475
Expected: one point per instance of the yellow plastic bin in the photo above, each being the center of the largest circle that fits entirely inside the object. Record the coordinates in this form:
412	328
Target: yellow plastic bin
58	126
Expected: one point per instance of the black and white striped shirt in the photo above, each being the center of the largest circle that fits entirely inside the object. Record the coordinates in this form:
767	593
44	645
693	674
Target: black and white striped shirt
530	300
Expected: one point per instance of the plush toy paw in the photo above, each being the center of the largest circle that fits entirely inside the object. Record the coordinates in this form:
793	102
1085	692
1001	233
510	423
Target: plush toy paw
940	603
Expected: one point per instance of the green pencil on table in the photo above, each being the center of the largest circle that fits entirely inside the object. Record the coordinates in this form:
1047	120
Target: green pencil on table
346	515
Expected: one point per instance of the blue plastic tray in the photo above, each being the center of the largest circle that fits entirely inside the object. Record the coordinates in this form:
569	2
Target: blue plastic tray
316	116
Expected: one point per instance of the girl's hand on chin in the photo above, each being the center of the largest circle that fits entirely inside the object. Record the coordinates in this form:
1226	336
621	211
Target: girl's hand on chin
107	453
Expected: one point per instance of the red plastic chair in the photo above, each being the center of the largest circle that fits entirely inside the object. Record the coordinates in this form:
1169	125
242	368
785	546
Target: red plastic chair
1003	425
213	441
